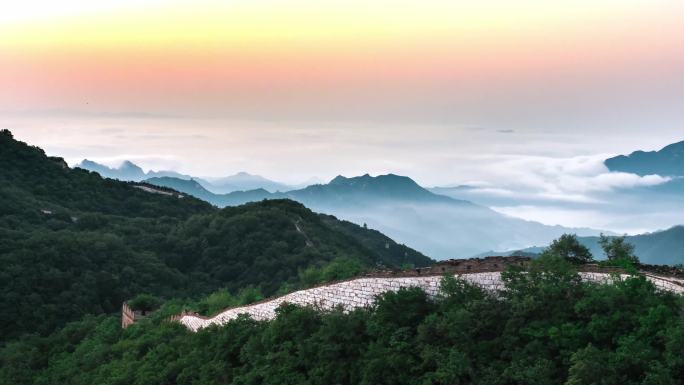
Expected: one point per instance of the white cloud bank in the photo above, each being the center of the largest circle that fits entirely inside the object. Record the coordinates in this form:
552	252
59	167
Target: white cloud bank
532	168
572	191
572	179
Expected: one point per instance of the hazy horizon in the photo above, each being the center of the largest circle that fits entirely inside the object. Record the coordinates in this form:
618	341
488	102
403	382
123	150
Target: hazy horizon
557	181
212	148
523	99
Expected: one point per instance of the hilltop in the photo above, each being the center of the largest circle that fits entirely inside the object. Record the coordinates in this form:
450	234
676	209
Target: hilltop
548	325
437	225
668	161
242	181
73	243
664	247
128	171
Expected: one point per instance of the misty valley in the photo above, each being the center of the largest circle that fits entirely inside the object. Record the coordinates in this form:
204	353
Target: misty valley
310	270
326	192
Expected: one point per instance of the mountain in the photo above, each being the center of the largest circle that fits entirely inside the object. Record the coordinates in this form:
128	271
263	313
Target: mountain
196	188
188	186
439	226
665	200
73	243
242	181
658	248
127	171
366	189
669	161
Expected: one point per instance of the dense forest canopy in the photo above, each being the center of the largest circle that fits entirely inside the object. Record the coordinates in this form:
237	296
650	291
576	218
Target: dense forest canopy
73	243
73	246
547	327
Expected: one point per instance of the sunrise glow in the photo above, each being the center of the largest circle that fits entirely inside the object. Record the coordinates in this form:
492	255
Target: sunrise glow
340	51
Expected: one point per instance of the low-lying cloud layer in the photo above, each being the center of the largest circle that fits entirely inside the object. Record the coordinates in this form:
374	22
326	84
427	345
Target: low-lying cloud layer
574	179
553	176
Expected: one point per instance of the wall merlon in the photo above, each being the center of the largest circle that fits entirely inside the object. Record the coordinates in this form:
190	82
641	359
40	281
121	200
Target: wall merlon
362	291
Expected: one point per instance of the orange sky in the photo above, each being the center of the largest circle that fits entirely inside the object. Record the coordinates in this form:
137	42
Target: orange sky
307	58
500	93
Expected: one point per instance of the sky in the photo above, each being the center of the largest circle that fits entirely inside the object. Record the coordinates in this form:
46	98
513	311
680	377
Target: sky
521	96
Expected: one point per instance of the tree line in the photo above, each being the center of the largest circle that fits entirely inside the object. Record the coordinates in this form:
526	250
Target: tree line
73	243
547	327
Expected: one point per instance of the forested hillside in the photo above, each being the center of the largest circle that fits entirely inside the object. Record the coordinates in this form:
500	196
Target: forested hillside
658	248
72	243
440	226
548	327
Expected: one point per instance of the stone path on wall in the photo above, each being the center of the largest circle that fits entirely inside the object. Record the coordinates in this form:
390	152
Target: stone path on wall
361	292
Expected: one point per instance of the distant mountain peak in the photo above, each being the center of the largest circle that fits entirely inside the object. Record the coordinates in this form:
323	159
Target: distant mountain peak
126	171
128	163
242	181
674	148
386	186
259	190
338	180
384	178
668	161
130	166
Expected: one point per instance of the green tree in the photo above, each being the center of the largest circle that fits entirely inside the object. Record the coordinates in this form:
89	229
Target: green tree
618	249
568	247
548	327
588	365
144	302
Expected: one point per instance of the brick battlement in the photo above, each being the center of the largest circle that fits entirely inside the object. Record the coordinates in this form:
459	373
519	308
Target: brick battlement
362	291
130	316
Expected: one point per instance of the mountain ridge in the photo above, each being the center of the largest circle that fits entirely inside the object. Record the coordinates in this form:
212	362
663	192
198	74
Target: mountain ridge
668	161
398	206
241	181
74	243
663	247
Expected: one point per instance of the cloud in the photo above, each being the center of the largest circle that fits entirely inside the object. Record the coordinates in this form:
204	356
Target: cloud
495	191
576	191
552	215
616	219
541	166
574	179
611	181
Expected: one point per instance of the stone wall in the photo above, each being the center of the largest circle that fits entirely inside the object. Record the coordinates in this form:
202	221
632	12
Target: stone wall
130	316
459	266
127	316
361	292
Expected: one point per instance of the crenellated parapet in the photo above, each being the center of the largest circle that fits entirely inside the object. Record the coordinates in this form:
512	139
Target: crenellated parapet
127	316
362	291
130	316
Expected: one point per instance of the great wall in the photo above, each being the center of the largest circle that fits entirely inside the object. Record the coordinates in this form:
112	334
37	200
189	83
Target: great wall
362	291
